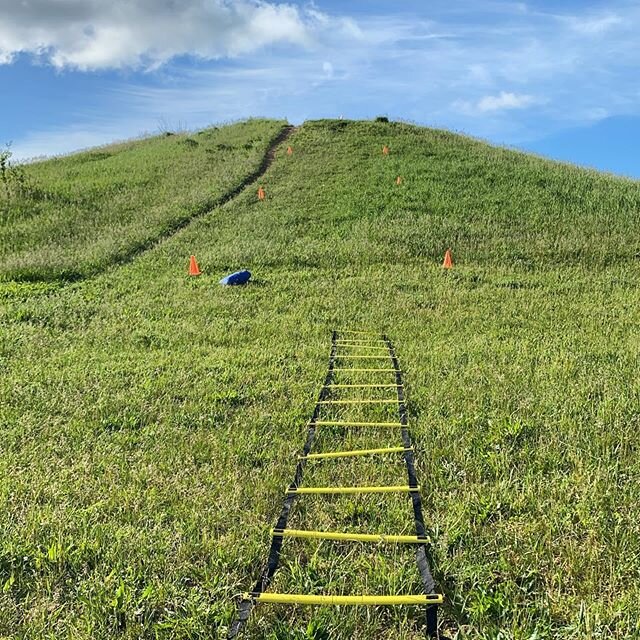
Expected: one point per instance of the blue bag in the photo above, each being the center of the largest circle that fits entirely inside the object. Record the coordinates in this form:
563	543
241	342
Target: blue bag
239	277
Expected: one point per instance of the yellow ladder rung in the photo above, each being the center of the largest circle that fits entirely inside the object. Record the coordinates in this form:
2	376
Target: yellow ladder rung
299	598
337	423
364	341
363	386
354	537
353	452
350	357
364	333
364	346
369	370
337	490
364	401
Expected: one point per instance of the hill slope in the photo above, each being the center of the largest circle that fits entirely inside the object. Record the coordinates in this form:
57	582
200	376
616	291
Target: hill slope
75	216
150	422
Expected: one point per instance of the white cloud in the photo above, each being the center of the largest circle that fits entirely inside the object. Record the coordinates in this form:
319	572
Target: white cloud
505	100
95	34
595	25
595	114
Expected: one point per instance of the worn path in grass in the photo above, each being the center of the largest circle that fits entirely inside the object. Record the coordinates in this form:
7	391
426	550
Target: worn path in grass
149	421
79	215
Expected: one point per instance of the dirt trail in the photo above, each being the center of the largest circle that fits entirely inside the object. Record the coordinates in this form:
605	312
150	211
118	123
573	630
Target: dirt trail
205	208
269	157
271	151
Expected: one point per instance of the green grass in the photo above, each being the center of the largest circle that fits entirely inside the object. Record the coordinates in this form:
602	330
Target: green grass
150	422
87	211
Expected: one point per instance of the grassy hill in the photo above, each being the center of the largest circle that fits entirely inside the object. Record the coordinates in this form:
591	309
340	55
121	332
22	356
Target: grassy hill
150	422
77	215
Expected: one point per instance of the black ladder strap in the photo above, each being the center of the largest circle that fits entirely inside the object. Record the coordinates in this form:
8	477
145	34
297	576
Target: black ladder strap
421	552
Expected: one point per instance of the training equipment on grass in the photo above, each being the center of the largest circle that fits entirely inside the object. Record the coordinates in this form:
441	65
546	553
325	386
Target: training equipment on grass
239	277
281	598
194	270
385	150
260	193
289	150
341	350
398	180
355	537
448	262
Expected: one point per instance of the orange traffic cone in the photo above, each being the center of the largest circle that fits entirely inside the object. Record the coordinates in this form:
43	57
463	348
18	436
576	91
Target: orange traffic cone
398	180
385	150
289	151
260	193
448	262
193	267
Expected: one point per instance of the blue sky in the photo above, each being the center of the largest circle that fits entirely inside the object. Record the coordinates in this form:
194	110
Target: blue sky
558	78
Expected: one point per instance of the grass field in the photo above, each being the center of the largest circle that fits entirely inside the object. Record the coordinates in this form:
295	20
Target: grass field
150	422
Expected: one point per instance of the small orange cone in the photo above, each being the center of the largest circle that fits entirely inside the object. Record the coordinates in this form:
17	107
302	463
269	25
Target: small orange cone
193	267
289	151
385	150
448	262
260	193
398	180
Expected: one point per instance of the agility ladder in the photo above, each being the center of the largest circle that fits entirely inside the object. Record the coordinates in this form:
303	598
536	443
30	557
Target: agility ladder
376	347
